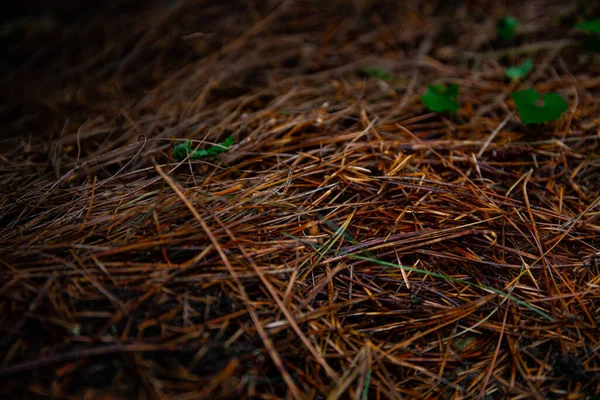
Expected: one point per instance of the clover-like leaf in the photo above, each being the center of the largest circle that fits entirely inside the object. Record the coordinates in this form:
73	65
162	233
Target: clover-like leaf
519	71
535	108
442	98
592	26
184	149
507	27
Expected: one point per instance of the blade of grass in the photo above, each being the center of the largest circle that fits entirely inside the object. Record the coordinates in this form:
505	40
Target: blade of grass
456	280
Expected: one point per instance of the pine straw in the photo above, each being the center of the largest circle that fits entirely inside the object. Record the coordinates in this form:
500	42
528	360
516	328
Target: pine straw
350	244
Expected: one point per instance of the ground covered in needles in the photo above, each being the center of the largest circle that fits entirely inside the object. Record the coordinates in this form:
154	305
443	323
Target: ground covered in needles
333	237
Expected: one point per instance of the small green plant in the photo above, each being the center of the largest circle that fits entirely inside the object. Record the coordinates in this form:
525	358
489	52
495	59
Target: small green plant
442	98
519	71
507	27
376	73
185	149
591	26
535	108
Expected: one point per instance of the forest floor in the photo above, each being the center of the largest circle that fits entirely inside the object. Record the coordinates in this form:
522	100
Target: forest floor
350	243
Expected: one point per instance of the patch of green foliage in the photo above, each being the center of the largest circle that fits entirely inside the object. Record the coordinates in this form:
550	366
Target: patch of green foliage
376	73
592	26
442	98
535	108
507	27
185	149
519	71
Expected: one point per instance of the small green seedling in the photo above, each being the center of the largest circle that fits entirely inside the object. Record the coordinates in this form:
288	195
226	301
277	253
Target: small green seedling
376	73
519	71
442	98
507	27
591	26
184	149
535	108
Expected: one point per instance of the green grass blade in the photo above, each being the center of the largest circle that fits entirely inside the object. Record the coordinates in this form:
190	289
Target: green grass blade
449	278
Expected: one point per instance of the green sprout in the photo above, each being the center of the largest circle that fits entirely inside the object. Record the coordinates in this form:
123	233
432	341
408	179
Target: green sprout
507	27
519	71
376	73
442	98
535	108
185	149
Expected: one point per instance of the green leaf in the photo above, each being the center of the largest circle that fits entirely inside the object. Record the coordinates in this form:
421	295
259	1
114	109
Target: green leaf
376	73
519	71
507	27
442	98
535	108
185	149
592	26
